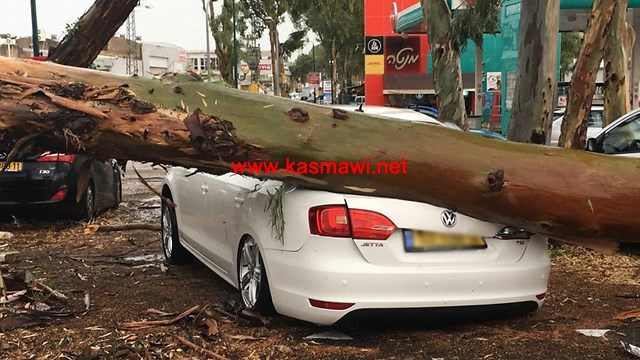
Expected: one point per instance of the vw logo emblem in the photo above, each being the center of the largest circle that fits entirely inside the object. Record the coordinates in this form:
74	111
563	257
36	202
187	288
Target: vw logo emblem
3	155
448	218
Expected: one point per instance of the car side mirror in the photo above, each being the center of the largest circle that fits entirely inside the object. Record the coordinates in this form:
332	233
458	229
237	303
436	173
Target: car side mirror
592	145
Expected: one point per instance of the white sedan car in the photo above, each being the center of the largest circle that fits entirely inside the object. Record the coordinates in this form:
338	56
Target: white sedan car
340	256
594	123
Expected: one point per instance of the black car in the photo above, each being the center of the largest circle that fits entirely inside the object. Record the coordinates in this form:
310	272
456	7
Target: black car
50	181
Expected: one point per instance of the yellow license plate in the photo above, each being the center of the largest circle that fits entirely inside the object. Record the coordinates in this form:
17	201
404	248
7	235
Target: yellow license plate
417	240
12	167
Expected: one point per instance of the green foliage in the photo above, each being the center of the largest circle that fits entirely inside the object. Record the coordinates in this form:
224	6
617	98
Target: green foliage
303	65
295	41
275	206
570	44
472	23
335	21
70	29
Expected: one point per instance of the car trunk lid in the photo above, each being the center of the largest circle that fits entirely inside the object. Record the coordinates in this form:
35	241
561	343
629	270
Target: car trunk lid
414	219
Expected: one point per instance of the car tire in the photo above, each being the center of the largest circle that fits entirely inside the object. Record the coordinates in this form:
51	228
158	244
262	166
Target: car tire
174	252
252	278
87	203
118	197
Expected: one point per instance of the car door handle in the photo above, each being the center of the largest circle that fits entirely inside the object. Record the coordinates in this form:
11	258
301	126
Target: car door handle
239	200
204	189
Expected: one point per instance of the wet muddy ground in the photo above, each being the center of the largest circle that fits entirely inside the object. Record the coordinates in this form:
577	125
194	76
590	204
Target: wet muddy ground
110	279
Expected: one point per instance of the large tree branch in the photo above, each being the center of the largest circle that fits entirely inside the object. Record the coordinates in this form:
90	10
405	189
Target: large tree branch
558	192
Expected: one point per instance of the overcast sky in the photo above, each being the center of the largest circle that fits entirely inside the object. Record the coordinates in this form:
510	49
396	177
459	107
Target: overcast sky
180	23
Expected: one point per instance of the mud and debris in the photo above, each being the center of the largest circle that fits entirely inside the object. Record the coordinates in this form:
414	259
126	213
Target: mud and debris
122	278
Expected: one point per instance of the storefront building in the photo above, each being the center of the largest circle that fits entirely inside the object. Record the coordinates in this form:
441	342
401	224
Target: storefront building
398	66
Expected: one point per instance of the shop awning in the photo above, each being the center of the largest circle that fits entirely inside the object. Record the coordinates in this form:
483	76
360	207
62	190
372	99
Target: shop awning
410	19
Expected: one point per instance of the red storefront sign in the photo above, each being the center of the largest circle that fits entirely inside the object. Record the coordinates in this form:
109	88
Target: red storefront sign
402	55
313	78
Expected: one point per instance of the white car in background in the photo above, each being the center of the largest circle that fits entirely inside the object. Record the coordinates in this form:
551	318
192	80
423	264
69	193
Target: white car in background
389	113
343	256
621	137
594	123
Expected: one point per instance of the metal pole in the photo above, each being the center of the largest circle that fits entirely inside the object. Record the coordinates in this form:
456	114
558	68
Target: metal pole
477	109
34	29
313	51
277	61
235	46
208	59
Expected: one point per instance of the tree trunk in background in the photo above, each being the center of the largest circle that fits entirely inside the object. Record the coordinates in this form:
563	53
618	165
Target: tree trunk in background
447	76
536	84
224	45
82	44
275	60
334	71
617	52
567	194
583	82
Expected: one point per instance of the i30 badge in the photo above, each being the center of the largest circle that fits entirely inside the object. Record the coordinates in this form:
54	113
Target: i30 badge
449	218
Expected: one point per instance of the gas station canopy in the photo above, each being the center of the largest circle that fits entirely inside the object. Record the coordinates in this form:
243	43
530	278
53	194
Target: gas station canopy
410	19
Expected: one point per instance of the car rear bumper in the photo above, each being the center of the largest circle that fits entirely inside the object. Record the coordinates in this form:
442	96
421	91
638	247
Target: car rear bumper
333	270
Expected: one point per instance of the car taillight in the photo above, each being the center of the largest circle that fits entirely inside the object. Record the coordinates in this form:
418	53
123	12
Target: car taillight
334	221
511	233
59	195
329	221
49	157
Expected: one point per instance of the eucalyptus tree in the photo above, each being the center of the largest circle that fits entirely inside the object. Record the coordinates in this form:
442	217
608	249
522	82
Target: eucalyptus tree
617	52
447	35
533	99
339	25
268	14
92	32
582	87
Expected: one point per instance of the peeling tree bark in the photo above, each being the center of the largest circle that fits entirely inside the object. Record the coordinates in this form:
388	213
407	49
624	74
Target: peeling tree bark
447	76
92	32
582	87
62	108
617	52
536	83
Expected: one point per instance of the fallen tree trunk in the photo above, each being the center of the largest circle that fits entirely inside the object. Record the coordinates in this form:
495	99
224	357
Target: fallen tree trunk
567	194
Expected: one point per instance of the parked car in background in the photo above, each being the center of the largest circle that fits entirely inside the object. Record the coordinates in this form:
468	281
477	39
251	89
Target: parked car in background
342	256
427	110
48	182
389	113
488	134
594	123
621	137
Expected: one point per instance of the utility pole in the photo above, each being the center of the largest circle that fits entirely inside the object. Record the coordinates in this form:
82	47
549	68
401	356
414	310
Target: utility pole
35	39
313	53
132	45
235	45
207	61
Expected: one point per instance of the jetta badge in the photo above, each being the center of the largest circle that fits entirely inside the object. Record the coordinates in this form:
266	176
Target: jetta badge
449	218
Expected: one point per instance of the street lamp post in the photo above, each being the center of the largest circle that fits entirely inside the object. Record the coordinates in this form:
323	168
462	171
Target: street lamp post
331	78
35	39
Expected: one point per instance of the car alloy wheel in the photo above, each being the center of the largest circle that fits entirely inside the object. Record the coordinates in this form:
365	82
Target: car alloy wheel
252	277
167	232
174	252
